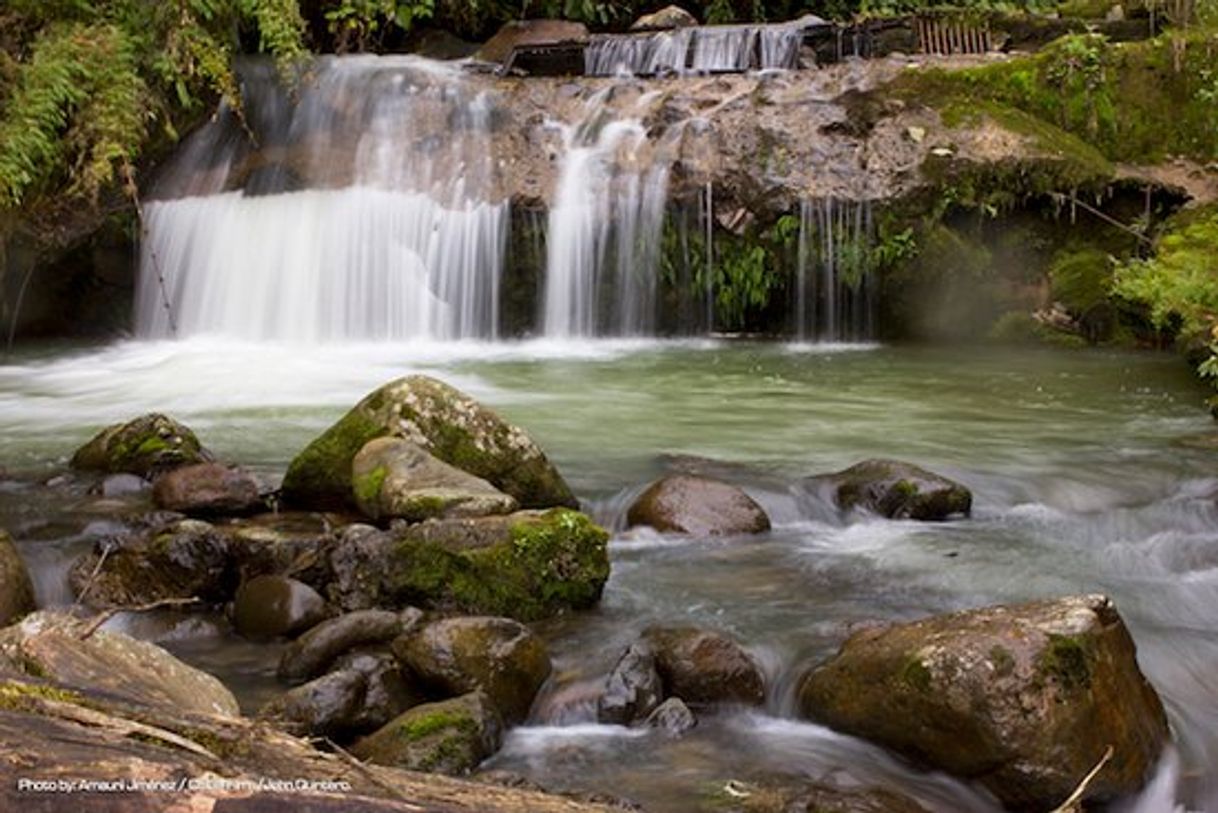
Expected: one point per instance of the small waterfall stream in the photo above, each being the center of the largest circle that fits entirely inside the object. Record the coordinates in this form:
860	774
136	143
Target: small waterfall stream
605	227
709	49
835	293
367	212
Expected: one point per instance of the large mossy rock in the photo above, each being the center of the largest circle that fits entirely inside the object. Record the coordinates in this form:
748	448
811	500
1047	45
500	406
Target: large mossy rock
704	667
63	649
187	559
684	504
450	737
897	490
398	479
528	565
145	446
16	590
446	423
1022	699
498	656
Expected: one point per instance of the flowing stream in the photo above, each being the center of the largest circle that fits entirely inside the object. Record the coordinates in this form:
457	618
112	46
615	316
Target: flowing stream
1088	467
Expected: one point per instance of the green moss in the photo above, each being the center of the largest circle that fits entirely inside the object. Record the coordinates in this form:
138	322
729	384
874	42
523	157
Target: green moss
367	488
556	562
1081	279
1083	90
915	675
19	696
1003	660
426	724
1065	660
320	476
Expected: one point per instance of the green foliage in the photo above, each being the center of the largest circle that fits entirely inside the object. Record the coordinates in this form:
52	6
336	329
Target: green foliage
87	80
1136	102
1179	285
356	24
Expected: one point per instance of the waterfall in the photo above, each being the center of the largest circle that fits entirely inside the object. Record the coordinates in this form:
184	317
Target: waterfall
709	49
365	211
604	228
835	293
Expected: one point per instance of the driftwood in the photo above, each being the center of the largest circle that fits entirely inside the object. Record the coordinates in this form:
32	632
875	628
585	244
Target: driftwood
140	759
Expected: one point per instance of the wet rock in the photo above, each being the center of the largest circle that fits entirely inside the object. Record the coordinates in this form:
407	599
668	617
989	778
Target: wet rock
310	654
271	606
443	421
700	506
529	32
16	590
187	559
395	478
633	689
703	667
665	18
527	565
123	485
898	491
672	717
144	446
207	489
359	565
327	706
449	737
288	543
55	647
387	693
1022	699
498	656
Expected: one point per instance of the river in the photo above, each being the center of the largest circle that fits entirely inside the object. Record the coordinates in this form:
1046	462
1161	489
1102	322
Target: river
1090	472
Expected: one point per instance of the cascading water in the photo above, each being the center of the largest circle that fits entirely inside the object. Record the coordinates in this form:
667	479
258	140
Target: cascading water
604	228
834	289
711	49
366	212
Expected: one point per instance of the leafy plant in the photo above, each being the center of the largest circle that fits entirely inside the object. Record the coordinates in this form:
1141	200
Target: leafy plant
356	24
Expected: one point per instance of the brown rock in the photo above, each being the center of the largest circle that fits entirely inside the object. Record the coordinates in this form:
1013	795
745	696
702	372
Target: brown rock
497	656
16	591
1023	699
271	606
530	32
449	737
207	489
681	503
703	667
666	18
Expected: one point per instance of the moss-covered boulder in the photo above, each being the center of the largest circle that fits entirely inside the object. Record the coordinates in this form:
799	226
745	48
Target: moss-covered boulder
684	504
527	565
1022	699
312	653
16	591
145	446
446	423
897	490
397	479
61	648
498	656
704	667
186	559
450	737
274	606
208	489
